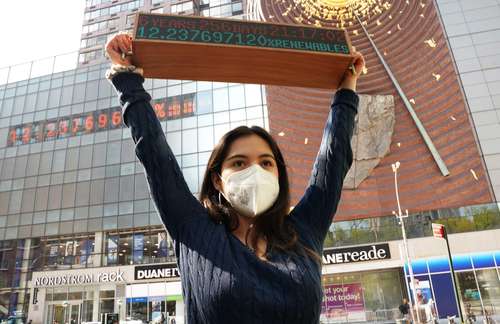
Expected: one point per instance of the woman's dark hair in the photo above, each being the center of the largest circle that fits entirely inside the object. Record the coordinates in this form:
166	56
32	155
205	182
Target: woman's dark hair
269	225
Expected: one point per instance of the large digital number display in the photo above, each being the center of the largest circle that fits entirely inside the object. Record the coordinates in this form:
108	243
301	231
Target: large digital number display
240	33
100	120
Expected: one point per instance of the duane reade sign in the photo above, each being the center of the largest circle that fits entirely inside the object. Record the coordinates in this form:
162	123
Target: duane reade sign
157	271
357	254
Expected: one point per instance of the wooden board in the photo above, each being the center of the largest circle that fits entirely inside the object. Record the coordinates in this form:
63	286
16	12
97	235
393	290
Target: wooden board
230	50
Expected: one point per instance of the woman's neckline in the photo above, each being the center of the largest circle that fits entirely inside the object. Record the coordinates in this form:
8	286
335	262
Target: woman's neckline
250	250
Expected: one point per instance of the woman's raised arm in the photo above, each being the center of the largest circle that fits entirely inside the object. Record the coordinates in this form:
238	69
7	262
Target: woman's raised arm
173	199
315	210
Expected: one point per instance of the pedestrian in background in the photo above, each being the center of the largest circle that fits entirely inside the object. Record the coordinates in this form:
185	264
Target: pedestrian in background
404	309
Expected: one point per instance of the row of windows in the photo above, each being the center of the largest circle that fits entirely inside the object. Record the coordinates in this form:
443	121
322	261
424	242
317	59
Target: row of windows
56	97
90	3
223	11
99	26
138	246
185	136
57	81
78	225
94	41
96	95
92	55
157	10
207	108
215	3
88	185
181	133
50	171
79	159
79	194
137	207
184	6
73	77
175	106
108	185
52	81
127	208
114	9
216	101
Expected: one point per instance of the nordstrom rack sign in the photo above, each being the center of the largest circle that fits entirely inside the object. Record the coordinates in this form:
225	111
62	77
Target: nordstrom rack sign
357	254
79	278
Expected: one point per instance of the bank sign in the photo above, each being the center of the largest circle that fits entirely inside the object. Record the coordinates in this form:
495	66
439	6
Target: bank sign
357	254
157	271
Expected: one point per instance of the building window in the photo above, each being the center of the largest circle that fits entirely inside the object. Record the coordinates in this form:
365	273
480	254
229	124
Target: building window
157	10
130	19
65	253
114	9
106	301
137	247
180	7
92	55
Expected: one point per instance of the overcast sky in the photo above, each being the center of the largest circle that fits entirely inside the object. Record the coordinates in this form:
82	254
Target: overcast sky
36	29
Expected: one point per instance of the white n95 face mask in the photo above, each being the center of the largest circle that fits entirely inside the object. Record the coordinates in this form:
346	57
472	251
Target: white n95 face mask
251	191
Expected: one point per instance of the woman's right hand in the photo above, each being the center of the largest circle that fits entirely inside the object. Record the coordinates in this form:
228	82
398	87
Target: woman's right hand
118	44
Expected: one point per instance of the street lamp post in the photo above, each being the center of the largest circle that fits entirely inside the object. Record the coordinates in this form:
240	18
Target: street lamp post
119	308
401	217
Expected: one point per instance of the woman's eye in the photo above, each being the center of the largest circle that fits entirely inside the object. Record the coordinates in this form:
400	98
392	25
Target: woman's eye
238	164
267	163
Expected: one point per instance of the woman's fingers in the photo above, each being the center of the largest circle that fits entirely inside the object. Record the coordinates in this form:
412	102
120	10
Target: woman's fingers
113	52
358	62
118	44
122	44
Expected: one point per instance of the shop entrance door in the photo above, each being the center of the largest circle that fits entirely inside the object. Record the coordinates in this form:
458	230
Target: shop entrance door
74	315
64	314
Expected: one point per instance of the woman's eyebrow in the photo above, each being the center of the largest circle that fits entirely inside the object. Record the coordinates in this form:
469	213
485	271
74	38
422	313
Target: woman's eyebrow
241	156
267	155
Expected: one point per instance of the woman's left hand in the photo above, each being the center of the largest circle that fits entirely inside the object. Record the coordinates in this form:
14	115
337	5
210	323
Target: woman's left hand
351	75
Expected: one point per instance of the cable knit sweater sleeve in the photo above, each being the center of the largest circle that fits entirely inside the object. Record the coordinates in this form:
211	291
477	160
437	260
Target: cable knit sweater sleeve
173	199
313	214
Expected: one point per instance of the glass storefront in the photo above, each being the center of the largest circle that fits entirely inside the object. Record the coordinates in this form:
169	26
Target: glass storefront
374	296
140	246
148	309
76	304
79	296
363	296
480	292
478	280
149	301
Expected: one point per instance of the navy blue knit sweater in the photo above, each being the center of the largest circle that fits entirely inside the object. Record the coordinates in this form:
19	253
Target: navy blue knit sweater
222	280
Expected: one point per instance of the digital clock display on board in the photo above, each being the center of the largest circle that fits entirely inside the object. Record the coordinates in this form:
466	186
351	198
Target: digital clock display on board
100	120
240	33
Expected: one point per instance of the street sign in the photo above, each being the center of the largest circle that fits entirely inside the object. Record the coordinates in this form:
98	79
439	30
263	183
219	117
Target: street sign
438	230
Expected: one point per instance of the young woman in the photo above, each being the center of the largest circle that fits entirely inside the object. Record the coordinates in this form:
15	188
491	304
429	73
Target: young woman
243	256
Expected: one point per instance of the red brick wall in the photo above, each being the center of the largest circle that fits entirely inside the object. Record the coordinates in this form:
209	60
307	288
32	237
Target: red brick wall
300	113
